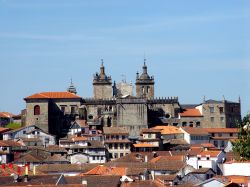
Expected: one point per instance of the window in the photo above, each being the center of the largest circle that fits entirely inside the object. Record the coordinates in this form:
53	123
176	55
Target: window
121	146
211	109
24	132
216	143
121	154
191	124
212	119
184	124
116	146
101	157
222	144
231	134
127	146
221	109
116	155
198	158
117	137
200	166
37	110
213	134
222	119
63	109
198	124
208	158
110	146
149	135
93	157
123	137
219	134
90	116
73	110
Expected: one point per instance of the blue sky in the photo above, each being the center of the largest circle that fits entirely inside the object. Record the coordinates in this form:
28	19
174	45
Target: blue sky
193	48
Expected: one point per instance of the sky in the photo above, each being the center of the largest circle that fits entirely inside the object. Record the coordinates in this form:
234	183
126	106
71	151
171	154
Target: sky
193	48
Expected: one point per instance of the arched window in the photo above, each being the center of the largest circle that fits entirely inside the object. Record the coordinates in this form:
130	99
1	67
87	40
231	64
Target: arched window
37	110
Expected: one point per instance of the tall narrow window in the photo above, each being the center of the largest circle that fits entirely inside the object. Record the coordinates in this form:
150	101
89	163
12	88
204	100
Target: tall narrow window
37	110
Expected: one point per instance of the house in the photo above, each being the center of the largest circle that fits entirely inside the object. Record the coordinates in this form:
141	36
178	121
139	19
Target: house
153	137
116	141
198	175
82	150
206	159
195	135
221	136
5	118
32	132
215	181
6	150
237	168
3	130
79	127
191	117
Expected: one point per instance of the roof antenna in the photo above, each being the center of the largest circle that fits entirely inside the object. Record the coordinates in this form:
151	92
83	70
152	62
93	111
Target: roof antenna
102	61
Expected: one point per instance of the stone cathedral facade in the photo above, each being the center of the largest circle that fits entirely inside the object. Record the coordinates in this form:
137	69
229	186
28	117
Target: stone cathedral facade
115	105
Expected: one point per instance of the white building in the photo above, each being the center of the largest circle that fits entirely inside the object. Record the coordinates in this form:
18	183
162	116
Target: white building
207	159
236	168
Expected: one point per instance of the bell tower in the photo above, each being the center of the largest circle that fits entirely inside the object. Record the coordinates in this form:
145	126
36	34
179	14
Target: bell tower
144	83
102	84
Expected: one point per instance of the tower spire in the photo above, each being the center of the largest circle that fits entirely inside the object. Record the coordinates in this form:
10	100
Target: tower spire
72	88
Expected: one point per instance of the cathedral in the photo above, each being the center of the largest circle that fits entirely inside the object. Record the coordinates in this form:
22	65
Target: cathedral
114	105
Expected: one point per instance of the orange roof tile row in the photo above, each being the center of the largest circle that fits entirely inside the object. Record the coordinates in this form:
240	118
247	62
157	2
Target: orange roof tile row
105	170
210	153
6	115
191	112
144	145
53	95
221	130
168	129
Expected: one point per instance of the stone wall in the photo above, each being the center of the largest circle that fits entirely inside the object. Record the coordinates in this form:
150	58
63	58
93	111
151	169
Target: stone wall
132	116
102	91
41	120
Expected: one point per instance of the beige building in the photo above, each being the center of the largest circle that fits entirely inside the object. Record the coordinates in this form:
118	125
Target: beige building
116	141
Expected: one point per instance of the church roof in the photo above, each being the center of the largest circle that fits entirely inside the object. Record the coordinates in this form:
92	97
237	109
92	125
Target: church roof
53	95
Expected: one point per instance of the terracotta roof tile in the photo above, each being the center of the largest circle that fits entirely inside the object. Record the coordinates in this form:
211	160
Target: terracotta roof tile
191	112
221	130
195	131
144	145
160	159
53	95
168	129
115	130
210	153
105	170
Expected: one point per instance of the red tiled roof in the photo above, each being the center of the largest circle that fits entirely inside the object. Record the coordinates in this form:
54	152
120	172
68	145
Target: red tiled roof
191	112
6	115
144	145
221	130
53	95
213	153
105	170
195	131
2	129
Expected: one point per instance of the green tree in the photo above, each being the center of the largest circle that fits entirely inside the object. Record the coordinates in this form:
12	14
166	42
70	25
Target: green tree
241	146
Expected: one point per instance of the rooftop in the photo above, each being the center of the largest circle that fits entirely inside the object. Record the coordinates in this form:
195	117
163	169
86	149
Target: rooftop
191	112
53	95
